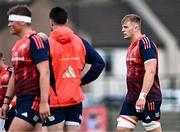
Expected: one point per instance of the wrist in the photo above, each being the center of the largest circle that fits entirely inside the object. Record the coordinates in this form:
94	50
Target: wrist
8	97
43	101
142	95
6	103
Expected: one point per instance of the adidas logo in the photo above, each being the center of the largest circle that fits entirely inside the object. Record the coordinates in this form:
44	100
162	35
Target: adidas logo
69	73
147	117
25	114
80	117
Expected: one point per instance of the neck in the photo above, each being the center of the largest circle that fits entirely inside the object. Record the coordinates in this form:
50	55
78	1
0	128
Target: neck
25	31
59	25
136	36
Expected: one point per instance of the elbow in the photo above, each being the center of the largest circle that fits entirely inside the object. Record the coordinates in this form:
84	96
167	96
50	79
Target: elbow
45	73
103	65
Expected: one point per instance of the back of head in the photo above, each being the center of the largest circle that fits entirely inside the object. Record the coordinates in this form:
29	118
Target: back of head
132	18
58	15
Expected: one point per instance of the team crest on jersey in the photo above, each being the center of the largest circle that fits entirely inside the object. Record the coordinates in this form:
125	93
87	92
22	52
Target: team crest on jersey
35	118
51	118
23	46
157	114
4	76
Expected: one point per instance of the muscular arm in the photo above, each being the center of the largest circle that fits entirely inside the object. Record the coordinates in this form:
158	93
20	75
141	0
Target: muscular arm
43	68
150	70
40	57
149	54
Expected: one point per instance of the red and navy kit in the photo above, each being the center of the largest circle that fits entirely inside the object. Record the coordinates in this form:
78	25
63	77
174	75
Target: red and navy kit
151	110
5	75
68	55
139	53
26	53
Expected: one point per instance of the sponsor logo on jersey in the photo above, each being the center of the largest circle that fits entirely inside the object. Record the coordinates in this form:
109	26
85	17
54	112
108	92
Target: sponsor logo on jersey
147	118
157	114
69	73
18	58
3	86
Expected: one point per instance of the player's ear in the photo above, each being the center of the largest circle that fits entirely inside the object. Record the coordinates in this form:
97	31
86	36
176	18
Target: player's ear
50	22
137	27
3	59
67	21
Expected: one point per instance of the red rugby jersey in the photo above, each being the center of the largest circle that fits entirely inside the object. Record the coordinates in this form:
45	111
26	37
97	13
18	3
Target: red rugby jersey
68	59
140	52
26	53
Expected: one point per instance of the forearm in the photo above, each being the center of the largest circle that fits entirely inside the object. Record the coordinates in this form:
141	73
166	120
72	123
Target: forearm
10	90
93	73
147	83
44	87
44	81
